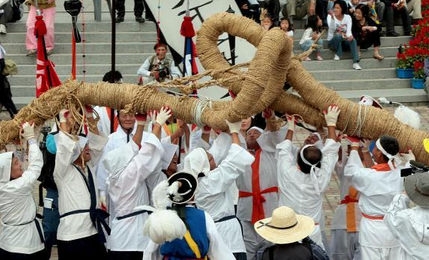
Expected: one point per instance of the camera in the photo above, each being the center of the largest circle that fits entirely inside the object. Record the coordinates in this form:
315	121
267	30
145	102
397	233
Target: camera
416	167
163	73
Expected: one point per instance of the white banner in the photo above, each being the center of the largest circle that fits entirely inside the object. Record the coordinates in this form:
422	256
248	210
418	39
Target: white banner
171	13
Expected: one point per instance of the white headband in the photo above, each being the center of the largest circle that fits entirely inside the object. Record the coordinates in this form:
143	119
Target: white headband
313	167
388	155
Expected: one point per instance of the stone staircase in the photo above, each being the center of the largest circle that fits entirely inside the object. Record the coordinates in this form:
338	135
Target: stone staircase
134	43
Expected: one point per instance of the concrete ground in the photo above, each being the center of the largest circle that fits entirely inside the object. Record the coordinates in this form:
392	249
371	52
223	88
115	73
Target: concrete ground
331	198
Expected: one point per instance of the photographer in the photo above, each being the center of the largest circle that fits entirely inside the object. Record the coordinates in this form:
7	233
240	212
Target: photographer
158	67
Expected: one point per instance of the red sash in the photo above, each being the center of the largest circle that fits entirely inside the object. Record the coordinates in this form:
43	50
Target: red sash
350	200
258	199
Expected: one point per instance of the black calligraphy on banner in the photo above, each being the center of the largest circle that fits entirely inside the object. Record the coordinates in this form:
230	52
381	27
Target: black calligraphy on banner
196	13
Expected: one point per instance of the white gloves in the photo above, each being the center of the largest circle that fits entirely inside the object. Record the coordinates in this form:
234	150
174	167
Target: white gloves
406	157
28	131
64	114
163	115
331	115
290	123
234	127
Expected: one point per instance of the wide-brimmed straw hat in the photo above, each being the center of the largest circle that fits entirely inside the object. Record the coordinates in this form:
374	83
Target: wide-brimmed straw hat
188	185
417	188
285	226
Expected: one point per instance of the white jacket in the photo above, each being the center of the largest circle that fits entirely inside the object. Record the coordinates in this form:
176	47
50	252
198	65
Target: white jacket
410	226
17	205
128	189
73	193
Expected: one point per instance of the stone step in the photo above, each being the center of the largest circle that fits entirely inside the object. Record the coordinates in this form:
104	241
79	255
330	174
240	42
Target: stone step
91	47
366	63
323	73
396	95
65	37
367	84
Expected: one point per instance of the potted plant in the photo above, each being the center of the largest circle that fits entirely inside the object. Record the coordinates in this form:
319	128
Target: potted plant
413	54
404	63
419	75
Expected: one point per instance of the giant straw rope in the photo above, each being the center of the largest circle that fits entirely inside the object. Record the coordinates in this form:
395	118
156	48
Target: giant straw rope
258	88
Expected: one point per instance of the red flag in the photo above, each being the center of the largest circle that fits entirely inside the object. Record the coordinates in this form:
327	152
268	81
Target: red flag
46	76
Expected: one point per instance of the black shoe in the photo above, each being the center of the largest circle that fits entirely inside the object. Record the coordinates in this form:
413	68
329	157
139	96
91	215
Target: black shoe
119	19
140	19
392	34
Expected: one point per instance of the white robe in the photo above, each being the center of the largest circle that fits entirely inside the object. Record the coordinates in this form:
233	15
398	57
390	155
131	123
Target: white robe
129	168
268	179
73	193
304	192
410	226
377	189
17	207
215	196
115	140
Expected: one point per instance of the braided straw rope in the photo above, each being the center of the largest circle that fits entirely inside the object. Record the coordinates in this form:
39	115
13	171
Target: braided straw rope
258	88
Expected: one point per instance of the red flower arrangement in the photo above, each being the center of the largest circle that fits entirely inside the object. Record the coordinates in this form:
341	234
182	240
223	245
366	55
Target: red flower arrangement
413	54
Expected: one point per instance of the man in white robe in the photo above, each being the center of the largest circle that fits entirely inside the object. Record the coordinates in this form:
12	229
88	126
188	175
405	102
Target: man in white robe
79	207
410	225
214	193
258	190
377	187
129	167
303	180
21	235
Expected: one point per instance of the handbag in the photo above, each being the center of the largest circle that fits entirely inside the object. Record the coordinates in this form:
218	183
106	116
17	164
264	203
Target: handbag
10	67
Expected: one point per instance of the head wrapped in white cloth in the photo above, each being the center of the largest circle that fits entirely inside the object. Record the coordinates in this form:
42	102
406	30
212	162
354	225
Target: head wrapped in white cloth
197	162
313	165
389	147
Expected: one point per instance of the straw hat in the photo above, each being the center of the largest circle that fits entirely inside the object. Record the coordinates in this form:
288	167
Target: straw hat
417	188
284	227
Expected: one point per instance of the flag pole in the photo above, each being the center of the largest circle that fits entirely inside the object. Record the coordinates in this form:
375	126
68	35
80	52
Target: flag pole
112	8
39	13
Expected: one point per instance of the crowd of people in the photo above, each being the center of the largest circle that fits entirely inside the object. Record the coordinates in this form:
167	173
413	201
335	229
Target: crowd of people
127	185
157	188
351	24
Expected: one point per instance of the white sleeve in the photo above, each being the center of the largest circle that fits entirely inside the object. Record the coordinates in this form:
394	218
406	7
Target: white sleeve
144	68
25	183
96	144
67	149
348	24
217	248
285	163
148	159
220	179
306	35
395	217
329	159
358	173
